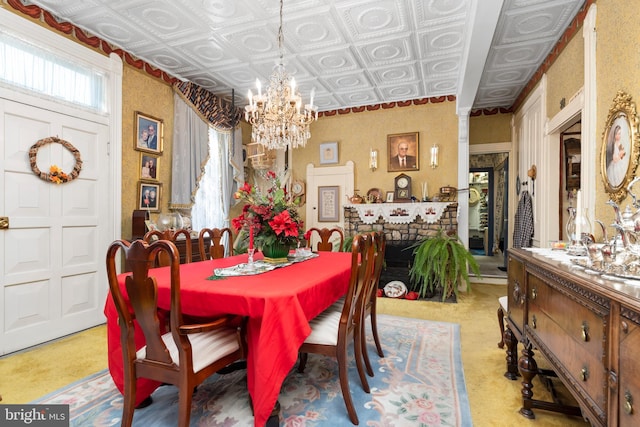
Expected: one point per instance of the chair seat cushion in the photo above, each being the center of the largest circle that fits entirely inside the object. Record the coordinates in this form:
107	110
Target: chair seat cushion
206	347
337	306
324	328
504	303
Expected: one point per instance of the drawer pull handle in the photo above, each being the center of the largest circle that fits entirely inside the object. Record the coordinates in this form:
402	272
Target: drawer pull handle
517	293
628	403
613	379
585	331
584	374
625	327
534	321
534	293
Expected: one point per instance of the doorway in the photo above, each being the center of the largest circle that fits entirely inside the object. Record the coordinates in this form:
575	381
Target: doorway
480	216
488	211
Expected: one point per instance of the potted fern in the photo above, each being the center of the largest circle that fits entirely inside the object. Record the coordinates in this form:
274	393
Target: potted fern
440	263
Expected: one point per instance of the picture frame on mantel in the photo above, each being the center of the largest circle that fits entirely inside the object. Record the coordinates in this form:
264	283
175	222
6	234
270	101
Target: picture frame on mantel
390	195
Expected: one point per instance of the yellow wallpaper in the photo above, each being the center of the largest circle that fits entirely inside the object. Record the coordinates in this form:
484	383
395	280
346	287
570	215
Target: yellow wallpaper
146	94
490	129
617	68
356	133
565	76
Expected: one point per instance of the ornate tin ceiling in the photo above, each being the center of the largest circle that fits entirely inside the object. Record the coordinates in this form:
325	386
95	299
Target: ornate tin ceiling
354	52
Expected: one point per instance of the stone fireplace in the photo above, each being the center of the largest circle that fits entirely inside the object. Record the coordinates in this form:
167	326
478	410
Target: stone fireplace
420	220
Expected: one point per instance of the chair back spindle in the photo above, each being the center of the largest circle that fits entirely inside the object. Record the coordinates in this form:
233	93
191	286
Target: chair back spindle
325	236
216	247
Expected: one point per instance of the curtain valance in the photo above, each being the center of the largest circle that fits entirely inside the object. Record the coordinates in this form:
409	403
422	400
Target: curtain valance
219	113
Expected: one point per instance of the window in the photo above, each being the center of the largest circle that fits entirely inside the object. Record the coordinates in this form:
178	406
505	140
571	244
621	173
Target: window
207	209
36	69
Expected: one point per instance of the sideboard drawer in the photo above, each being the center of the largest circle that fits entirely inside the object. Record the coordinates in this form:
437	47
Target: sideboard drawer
516	293
585	369
577	320
629	374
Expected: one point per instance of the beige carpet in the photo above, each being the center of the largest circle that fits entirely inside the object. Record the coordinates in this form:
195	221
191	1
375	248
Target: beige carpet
494	400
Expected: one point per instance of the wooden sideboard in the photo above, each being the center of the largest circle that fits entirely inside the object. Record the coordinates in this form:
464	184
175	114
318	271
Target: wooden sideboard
588	329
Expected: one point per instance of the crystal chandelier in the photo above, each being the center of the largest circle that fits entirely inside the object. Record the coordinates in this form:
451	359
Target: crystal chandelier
277	118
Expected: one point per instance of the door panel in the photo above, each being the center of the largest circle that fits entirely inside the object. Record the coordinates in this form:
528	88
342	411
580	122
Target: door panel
52	274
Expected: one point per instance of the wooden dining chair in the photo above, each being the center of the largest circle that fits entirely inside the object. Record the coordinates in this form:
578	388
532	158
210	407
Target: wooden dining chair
370	301
325	235
172	235
215	247
332	331
503	310
185	356
369	306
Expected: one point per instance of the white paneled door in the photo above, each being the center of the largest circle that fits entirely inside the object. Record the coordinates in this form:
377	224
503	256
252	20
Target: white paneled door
52	274
340	177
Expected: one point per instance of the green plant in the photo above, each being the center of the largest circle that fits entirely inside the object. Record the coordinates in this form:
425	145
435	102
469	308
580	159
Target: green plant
440	261
346	246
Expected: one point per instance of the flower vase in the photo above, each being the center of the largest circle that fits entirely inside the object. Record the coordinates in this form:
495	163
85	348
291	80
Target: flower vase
276	252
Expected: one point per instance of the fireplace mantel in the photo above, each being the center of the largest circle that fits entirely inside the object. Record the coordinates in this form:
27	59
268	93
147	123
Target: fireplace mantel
400	213
402	223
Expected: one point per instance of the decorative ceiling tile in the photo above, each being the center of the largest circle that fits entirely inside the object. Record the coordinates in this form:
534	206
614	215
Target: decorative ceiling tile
351	51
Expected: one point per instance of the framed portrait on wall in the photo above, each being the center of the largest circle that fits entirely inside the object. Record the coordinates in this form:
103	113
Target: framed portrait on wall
620	145
403	152
328	153
149	194
149	133
149	165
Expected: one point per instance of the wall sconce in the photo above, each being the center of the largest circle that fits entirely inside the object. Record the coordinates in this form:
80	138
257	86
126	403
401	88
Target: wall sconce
434	156
373	159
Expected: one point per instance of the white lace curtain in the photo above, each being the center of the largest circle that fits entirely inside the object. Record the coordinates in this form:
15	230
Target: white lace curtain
207	168
35	69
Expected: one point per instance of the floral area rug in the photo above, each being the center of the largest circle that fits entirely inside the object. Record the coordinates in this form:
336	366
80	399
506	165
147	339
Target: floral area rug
419	382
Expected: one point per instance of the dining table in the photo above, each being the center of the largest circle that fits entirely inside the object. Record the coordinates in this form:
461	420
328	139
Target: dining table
277	304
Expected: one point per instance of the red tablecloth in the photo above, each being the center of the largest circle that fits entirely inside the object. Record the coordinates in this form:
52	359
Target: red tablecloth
279	305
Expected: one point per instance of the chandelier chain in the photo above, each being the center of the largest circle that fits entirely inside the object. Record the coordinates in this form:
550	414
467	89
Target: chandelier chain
281	35
278	117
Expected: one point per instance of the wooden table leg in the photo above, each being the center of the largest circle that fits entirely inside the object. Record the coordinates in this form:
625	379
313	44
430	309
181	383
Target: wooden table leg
528	369
512	354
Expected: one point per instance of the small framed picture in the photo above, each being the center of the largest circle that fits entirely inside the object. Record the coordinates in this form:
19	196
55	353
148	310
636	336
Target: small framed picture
328	203
149	133
149	194
403	152
328	153
149	165
389	197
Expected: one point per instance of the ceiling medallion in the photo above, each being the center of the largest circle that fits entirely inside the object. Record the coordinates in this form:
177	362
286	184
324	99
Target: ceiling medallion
277	118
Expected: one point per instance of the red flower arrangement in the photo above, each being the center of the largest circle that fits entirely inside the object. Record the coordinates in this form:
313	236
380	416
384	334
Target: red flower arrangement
273	215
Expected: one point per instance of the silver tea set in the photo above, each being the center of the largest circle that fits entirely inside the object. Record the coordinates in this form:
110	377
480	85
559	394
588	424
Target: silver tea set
619	255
